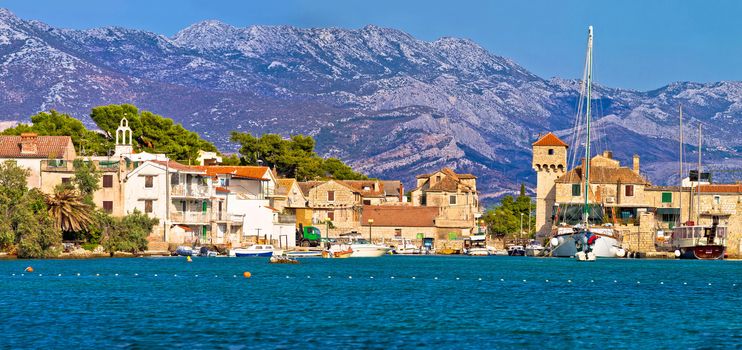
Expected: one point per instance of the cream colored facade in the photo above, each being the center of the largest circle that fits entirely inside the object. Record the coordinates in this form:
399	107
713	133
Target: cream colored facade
455	195
337	202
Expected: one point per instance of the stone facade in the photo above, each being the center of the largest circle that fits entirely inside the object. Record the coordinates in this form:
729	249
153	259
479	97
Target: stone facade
549	162
332	200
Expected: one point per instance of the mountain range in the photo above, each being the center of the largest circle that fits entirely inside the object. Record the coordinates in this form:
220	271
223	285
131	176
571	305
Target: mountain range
391	105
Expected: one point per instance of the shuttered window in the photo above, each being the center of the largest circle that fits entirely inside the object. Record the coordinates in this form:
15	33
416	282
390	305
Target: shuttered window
330	196
629	190
149	181
108	206
666	197
148	206
107	181
575	190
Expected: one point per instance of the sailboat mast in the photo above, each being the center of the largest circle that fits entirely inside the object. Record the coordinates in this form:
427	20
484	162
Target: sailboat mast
698	185
680	191
586	208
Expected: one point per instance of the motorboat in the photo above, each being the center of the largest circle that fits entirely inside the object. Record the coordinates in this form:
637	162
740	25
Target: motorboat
339	252
534	248
361	247
304	254
516	250
257	250
185	251
406	248
476	245
603	241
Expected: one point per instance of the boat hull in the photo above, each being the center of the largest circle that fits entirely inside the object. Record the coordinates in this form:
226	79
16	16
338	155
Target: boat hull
309	254
534	251
703	252
372	252
604	247
254	255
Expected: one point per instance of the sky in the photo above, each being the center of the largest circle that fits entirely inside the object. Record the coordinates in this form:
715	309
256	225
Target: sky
641	45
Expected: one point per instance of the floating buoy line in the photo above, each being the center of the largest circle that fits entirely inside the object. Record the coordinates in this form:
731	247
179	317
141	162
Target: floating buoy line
248	275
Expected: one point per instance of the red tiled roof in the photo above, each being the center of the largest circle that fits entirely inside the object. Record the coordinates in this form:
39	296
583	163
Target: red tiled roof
550	140
244	171
605	175
46	146
359	186
185	228
222	189
721	188
399	216
283	186
177	166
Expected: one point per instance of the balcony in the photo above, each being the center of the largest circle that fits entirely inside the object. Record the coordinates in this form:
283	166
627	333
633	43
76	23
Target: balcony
190	191
190	217
235	219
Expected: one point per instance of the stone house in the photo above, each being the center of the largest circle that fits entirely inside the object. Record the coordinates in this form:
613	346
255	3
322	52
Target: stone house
28	151
288	195
397	222
456	196
335	201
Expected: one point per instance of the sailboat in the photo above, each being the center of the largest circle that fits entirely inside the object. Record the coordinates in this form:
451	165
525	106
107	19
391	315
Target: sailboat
582	241
692	241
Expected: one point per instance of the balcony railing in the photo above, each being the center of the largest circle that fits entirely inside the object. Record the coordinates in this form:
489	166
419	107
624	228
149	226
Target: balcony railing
190	191
190	217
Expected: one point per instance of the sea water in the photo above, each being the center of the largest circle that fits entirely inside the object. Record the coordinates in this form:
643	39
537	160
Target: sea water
390	302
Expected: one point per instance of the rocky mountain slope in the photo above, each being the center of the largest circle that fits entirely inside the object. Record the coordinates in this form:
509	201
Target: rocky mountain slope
391	105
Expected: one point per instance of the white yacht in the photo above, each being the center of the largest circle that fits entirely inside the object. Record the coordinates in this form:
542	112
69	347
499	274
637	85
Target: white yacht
405	247
534	249
604	241
256	250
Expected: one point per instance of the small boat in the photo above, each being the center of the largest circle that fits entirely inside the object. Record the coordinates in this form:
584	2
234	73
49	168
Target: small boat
476	245
360	247
700	242
185	251
447	251
257	250
406	248
304	254
534	249
207	253
279	259
516	250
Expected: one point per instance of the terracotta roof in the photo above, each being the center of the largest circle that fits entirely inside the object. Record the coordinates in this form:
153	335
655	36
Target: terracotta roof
177	166
46	146
308	186
550	140
399	216
283	186
359	186
605	175
244	171
222	189
721	188
392	187
448	172
185	228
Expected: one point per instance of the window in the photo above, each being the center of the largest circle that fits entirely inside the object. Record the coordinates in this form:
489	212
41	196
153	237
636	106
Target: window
66	180
717	200
452	199
366	202
108	206
666	197
551	151
107	181
174	179
438	178
397	232
629	190
148	206
423	199
575	190
330	196
331	215
149	181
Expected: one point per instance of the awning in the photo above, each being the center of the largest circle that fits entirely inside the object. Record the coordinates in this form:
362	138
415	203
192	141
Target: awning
668	211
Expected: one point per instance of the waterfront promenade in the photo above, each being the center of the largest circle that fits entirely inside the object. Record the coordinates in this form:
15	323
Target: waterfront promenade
389	302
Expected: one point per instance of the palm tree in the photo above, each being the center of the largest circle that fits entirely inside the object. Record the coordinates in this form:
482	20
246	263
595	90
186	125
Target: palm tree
68	209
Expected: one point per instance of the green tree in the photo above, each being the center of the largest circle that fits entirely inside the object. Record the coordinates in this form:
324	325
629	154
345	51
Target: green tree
151	132
36	234
87	179
69	211
294	157
53	123
12	189
505	218
127	234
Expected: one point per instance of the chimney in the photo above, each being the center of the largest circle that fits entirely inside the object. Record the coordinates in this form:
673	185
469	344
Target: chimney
636	163
376	186
608	154
28	143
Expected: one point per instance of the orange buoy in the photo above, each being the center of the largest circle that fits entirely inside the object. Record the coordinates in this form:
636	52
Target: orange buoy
246	274
29	269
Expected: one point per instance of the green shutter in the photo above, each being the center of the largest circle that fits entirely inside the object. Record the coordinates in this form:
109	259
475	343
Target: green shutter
204	206
420	235
452	236
666	197
575	190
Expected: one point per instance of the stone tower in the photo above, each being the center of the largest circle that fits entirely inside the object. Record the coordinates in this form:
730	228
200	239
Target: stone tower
549	162
123	138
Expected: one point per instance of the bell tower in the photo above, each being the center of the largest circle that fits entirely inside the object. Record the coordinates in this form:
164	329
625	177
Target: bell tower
123	138
549	163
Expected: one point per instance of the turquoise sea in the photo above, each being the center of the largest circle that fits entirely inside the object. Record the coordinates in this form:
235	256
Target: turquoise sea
442	302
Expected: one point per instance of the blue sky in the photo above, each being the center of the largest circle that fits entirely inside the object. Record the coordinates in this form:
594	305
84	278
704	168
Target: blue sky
638	44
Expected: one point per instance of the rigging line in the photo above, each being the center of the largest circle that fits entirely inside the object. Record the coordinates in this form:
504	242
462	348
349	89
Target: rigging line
579	118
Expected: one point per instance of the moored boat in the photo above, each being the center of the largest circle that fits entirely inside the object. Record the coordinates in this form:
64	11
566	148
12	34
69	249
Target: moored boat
257	250
476	245
700	242
516	250
304	254
534	249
